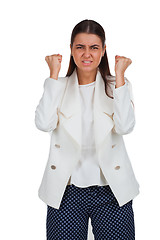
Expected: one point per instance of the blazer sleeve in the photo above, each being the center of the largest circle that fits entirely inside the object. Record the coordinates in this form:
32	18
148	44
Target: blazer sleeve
124	109
46	117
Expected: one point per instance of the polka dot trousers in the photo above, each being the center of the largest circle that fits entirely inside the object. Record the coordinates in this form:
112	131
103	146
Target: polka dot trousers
108	220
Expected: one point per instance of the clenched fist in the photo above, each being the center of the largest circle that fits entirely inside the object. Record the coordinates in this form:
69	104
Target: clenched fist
54	63
121	64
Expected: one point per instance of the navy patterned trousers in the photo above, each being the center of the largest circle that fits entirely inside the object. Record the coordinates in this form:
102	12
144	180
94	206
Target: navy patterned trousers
108	220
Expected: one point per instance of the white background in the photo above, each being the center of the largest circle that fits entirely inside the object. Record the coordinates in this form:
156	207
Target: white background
30	30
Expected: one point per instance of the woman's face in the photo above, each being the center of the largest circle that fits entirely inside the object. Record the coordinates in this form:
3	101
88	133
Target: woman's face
87	47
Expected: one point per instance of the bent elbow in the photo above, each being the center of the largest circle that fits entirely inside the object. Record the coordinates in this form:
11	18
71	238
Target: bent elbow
45	126
124	128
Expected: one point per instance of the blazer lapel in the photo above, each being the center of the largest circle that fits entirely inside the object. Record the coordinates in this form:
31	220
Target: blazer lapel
70	110
103	111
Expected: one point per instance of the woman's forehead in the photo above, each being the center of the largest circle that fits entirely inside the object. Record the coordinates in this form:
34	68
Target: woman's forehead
87	39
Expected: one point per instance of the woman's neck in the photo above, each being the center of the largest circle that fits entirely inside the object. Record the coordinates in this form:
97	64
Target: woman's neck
86	77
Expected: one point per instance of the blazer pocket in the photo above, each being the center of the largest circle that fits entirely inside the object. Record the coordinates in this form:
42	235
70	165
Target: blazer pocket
63	115
109	115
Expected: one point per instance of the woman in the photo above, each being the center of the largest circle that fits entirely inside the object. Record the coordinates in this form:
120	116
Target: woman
88	173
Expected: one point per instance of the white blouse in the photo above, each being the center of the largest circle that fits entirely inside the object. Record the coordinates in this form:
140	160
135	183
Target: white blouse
87	171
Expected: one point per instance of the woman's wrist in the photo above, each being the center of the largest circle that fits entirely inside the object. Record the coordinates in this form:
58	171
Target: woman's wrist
54	76
119	80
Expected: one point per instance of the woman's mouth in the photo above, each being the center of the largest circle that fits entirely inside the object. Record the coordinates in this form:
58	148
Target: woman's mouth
86	63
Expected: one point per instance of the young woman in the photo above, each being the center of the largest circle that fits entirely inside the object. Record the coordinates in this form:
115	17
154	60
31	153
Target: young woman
87	112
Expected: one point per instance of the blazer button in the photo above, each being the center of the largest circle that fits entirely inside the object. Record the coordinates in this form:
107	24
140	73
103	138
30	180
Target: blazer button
53	166
117	167
57	145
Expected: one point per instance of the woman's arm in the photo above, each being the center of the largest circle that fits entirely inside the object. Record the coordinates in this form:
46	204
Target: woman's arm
46	117
124	111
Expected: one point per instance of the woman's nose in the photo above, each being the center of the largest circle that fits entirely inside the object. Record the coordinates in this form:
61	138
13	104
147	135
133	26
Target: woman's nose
86	52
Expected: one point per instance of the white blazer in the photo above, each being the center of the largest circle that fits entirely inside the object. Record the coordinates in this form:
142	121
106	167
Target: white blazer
59	113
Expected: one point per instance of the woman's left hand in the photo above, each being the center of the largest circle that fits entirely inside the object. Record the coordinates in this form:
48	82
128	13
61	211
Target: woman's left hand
121	64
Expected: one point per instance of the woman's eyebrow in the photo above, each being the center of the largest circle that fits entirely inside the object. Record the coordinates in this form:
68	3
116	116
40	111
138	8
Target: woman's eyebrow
91	45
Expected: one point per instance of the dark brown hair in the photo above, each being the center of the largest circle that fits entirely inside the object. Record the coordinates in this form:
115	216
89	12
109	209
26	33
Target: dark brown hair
92	27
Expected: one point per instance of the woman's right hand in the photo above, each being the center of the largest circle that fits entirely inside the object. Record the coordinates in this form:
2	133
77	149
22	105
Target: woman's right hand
54	63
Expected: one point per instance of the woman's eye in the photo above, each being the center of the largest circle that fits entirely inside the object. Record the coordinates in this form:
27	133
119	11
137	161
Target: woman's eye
92	48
